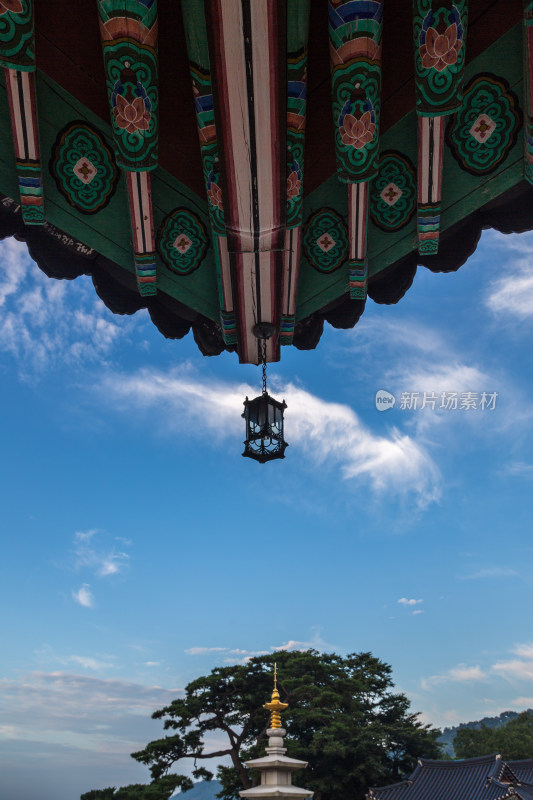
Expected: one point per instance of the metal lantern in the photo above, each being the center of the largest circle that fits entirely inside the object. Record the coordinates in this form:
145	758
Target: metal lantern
264	423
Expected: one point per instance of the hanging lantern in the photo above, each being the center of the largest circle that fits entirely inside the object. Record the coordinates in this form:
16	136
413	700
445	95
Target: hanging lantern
264	418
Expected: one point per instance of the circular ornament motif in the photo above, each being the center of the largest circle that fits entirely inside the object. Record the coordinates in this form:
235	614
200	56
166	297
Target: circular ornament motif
182	241
484	129
393	192
83	167
325	240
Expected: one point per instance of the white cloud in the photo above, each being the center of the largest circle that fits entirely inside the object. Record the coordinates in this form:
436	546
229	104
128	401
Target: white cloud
459	674
418	611
84	596
14	259
85	536
524	650
87	662
522	702
406	602
513	294
517	669
83	712
292	645
202	651
519	469
514	670
325	432
101	562
47	321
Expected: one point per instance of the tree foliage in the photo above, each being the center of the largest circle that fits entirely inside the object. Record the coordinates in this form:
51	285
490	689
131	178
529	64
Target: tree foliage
343	718
513	741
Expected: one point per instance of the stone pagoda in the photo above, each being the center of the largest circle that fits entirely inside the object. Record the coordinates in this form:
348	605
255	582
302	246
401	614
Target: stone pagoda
275	767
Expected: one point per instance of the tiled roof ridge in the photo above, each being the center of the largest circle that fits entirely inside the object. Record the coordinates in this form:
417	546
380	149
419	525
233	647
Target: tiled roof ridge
401	784
435	762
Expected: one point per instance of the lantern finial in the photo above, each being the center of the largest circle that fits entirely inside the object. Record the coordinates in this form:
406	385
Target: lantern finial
275	706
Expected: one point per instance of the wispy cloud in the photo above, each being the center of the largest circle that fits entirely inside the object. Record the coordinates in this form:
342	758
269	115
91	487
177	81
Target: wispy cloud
327	433
512	295
84	596
87	662
102	562
423	362
46	321
236	654
522	702
519	469
84	712
517	669
404	601
459	674
489	572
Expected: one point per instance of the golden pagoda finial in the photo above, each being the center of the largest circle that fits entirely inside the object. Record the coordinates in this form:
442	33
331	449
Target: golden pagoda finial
275	706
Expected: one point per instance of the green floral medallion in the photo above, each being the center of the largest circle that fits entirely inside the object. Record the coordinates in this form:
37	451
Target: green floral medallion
182	241
485	128
325	240
393	192
83	167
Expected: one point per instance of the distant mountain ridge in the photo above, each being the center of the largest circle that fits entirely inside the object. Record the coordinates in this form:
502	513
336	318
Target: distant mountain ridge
203	790
448	734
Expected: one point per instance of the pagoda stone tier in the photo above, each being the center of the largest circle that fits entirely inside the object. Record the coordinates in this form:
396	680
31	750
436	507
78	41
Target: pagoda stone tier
225	163
276	771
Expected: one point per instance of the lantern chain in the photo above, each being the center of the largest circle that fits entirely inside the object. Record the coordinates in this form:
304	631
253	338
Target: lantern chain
264	367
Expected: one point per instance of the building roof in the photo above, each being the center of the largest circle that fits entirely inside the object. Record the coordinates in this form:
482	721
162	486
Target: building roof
482	778
445	780
522	770
422	171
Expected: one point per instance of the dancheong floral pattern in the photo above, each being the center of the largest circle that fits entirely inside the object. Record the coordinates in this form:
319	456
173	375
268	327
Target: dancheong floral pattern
483	130
325	240
440	32
439	50
393	192
83	167
182	241
16	34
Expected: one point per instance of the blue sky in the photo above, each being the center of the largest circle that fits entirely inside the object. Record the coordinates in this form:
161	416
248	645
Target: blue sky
140	549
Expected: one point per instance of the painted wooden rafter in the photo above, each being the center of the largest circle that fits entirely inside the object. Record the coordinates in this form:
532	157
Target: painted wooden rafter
440	45
528	90
355	31
249	71
129	41
200	69
17	57
297	35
